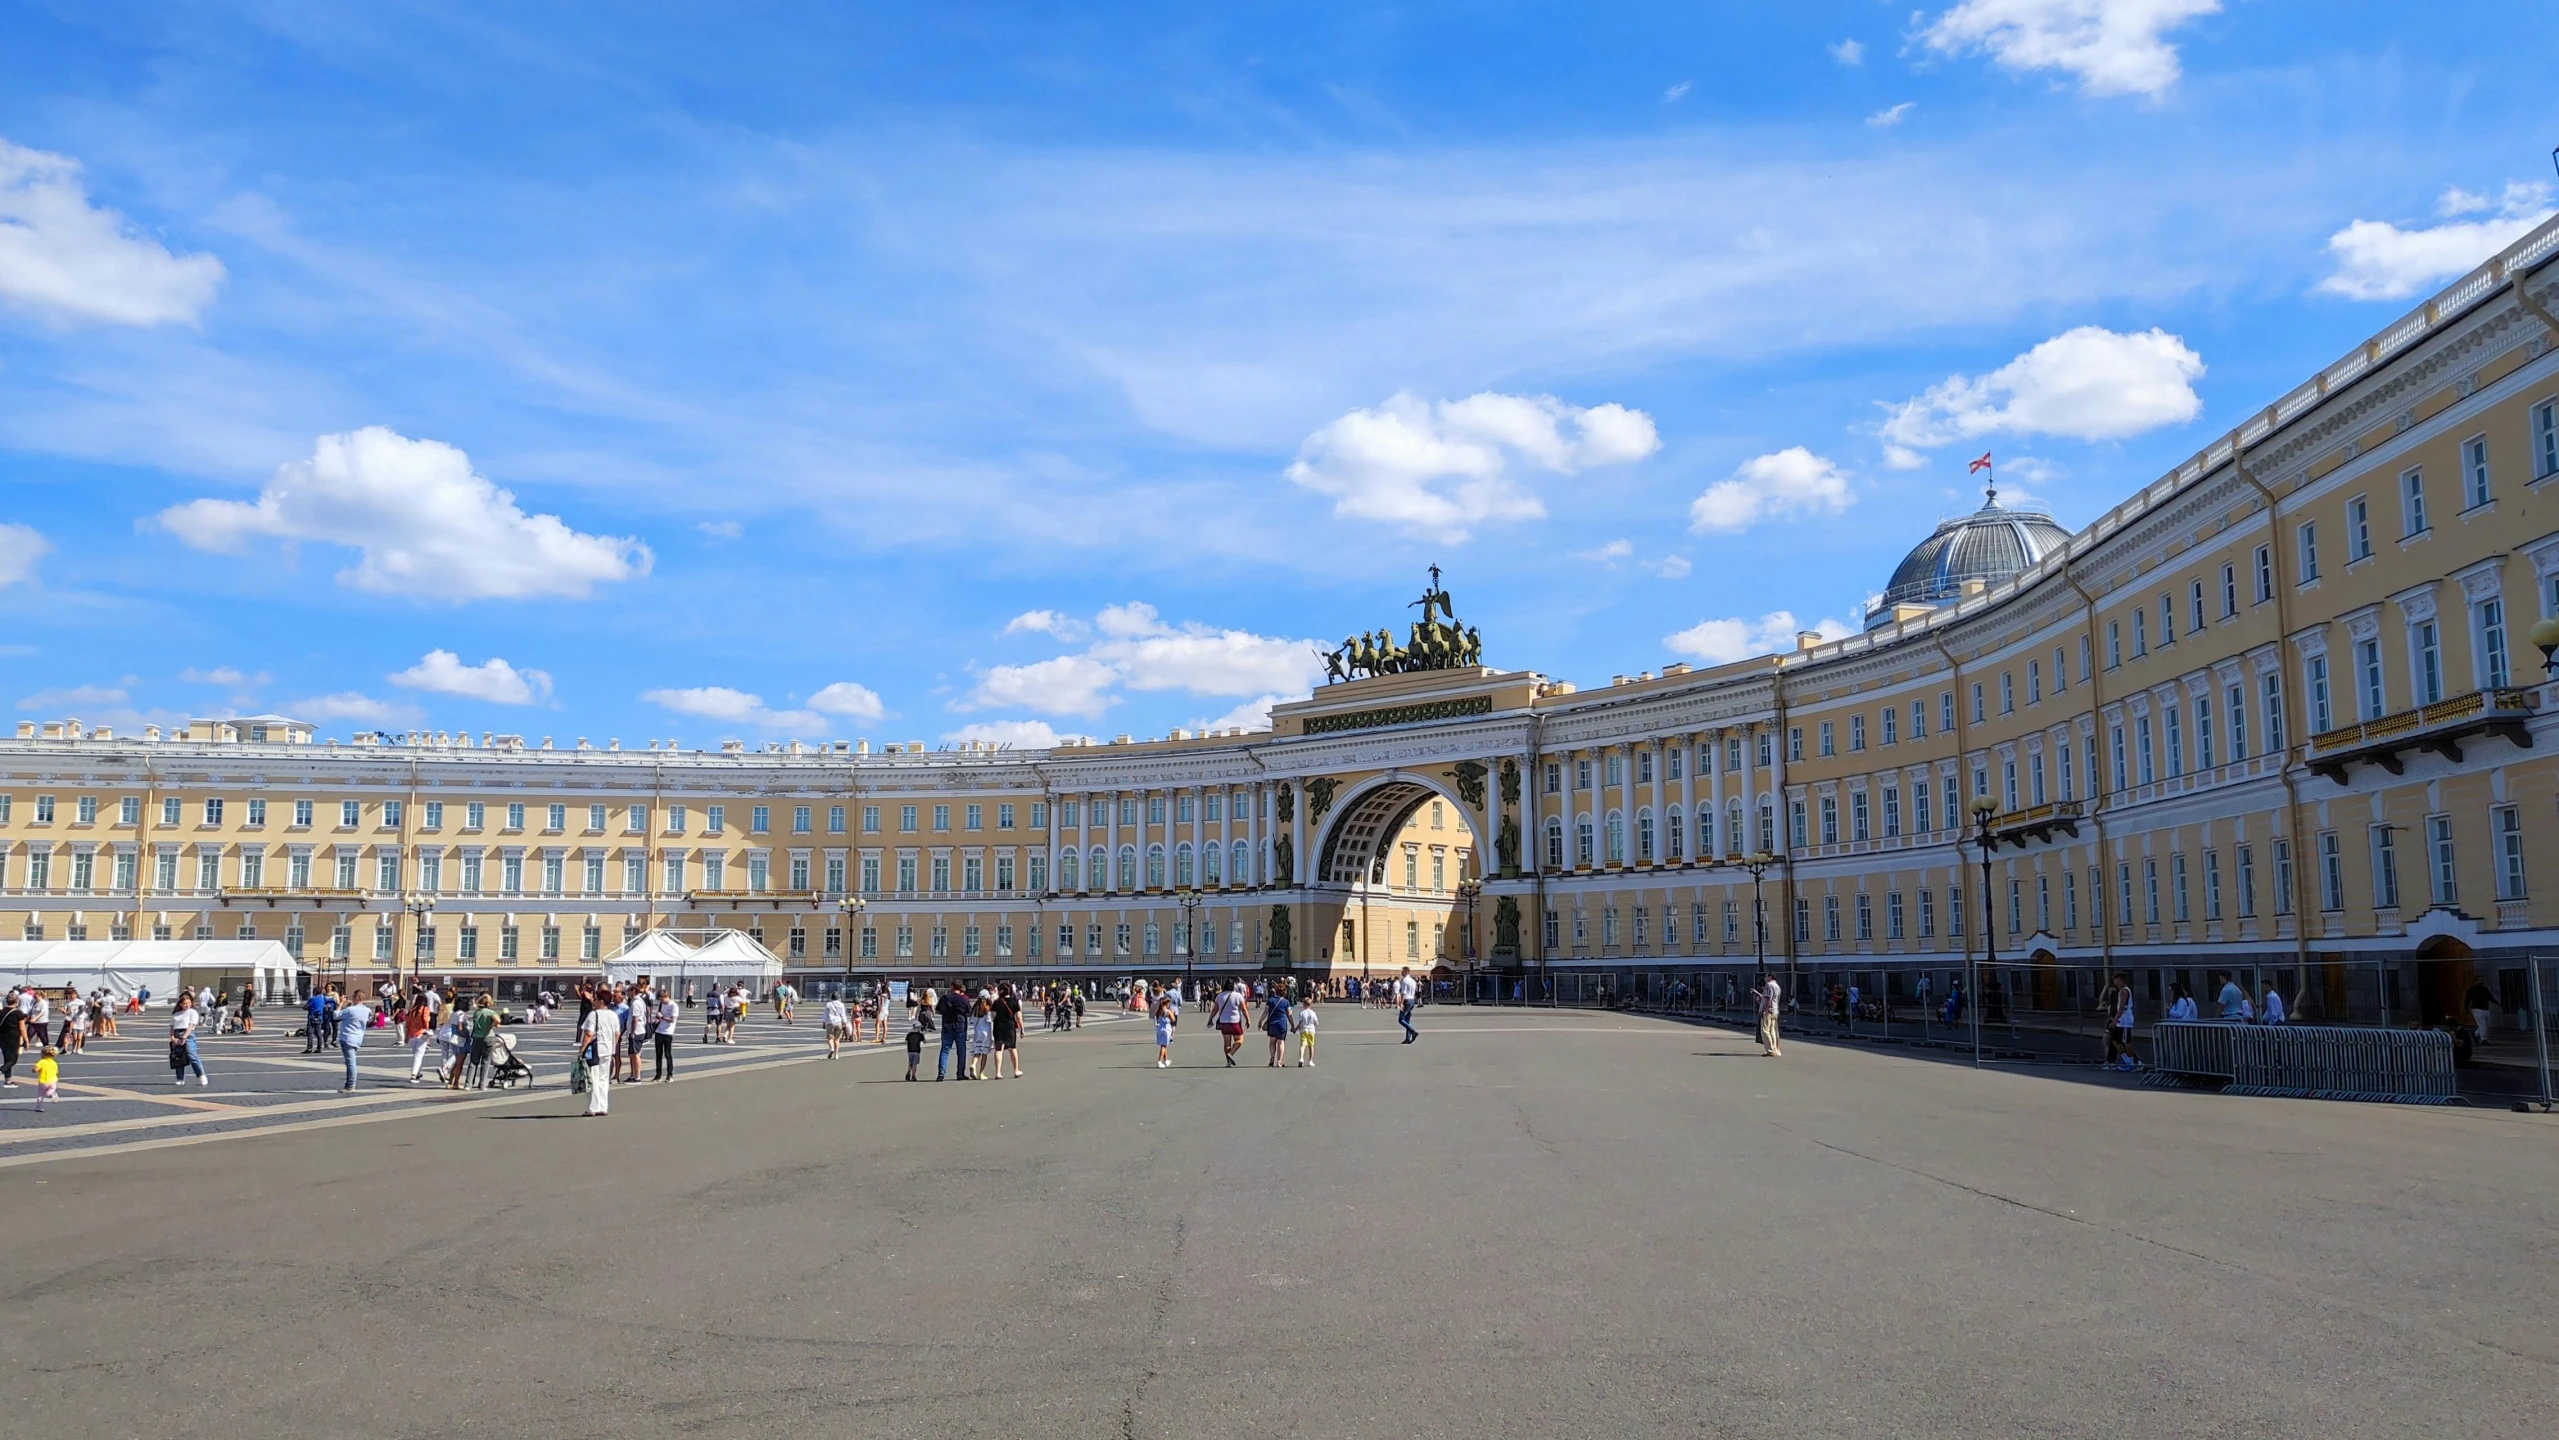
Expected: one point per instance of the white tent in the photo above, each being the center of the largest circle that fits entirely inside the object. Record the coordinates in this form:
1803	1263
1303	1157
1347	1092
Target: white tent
727	955
126	967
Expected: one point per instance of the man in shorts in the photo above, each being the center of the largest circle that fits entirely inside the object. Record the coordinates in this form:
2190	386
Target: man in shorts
838	1021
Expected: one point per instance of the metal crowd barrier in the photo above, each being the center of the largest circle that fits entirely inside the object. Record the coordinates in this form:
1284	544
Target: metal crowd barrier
2326	1062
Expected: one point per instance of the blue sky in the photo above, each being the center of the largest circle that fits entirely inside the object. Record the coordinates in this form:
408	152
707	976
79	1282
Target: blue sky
1007	371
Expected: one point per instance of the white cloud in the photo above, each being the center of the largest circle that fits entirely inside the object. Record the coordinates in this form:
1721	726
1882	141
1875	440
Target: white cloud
1719	642
20	548
1253	714
720	529
425	523
1847	52
89	696
1618	553
719	702
1046	622
2114	47
851	701
1066	685
2087	384
1140	651
1439	470
221	675
2377	260
1891	116
71	261
1020	734
492	680
348	705
1673	95
1792	481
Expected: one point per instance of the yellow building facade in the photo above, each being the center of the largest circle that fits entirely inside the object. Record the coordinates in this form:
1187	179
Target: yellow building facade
2279	713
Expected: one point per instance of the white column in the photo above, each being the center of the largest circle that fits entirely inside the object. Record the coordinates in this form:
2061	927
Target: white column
1111	844
1253	833
1661	829
1715	792
1297	837
1052	842
1688	794
1750	790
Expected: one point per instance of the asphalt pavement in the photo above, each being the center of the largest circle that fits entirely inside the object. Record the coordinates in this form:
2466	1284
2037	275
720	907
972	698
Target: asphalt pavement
1530	1223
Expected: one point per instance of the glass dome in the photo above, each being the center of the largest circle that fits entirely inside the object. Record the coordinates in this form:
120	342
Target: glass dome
1991	544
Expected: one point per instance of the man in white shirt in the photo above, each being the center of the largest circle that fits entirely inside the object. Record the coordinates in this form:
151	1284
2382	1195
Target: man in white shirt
1769	997
838	1020
1405	991
601	1034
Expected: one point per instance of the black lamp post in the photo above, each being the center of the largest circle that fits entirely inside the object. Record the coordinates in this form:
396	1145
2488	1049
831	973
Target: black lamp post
2545	638
420	905
1758	863
1189	899
1985	812
852	907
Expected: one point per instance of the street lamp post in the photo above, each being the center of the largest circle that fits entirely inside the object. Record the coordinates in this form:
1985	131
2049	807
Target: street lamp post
420	905
1189	899
1469	891
1985	811
852	907
1758	863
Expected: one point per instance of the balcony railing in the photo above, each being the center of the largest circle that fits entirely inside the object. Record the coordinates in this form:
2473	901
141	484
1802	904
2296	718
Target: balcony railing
2438	728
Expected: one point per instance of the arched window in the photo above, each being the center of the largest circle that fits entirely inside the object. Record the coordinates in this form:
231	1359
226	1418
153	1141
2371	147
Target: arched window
1584	850
1706	832
1736	836
1127	878
1616	837
1066	870
1672	848
1241	872
1644	833
1554	844
1767	825
1208	865
1182	864
1097	869
1154	867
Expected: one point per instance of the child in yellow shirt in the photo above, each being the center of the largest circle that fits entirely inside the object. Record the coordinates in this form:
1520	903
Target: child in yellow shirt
48	1072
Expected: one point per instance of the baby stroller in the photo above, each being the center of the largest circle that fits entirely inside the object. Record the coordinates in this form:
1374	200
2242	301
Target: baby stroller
506	1068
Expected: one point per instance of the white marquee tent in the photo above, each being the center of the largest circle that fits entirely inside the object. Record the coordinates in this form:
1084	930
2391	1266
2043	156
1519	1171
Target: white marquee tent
126	967
725	955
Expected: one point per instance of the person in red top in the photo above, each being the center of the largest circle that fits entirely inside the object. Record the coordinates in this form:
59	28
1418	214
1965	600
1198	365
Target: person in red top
417	1026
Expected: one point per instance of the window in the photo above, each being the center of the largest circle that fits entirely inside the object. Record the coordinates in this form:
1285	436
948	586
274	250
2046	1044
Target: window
2141	633
2176	740
2358	530
2150	891
2274	707
2265	566
515	816
2385	867
2142	750
2488	628
2115	735
1585	842
2124	890
2203	732
2439	844
1828	749
2315	670
1918	719
2426	643
2238	697
2177	887
44	810
1794	743
2412	501
2507	823
975	817
1856	732
1795	830
2195	605
1945	710
1830	917
1892	720
1892	812
2069	900
1857	827
1977	710
2016	909
1892	915
870	819
2034	682
2474	471
2332	873
941	817
1927	914
2309	538
835	819
2368	688
1865	918
2545	439
2244	864
2114	644
1919	804
2167	620
906	818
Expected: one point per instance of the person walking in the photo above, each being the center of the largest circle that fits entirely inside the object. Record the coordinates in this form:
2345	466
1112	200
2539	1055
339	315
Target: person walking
182	1052
1304	1019
838	1020
13	1038
2270	1009
1168	1014
40	1018
1230	1019
981	1036
952	1010
914	1041
664	1017
1770	998
417	1029
1405	993
1275	1023
599	1038
48	1075
1007	1015
2119	1023
353	1017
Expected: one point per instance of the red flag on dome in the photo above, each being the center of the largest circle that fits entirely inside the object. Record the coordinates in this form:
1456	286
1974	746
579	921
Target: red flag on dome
1981	464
